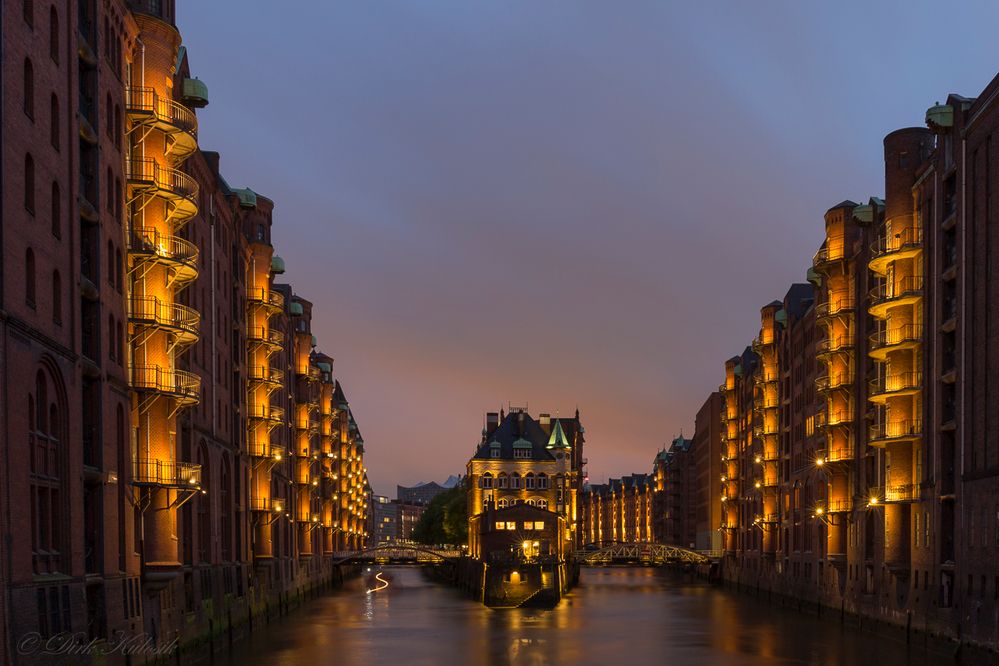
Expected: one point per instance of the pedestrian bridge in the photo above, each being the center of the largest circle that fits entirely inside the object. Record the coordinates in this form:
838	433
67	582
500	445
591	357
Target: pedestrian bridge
397	554
644	554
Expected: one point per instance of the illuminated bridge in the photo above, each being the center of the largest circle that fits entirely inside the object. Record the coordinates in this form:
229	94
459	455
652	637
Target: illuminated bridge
642	554
397	554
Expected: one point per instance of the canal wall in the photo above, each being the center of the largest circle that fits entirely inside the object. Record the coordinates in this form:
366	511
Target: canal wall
212	630
829	593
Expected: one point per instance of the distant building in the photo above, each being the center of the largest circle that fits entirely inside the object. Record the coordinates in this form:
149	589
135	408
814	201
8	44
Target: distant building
394	520
707	451
421	493
675	477
619	511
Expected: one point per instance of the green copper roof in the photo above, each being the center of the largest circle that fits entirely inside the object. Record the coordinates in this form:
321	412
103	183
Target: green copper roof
325	367
195	92
277	265
813	276
940	116
314	341
522	444
557	439
247	197
781	316
295	308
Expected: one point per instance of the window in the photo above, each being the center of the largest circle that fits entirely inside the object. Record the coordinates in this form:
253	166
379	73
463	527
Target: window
515	481
56	210
54	34
510	525
542	481
503	503
503	481
529	481
29	183
522	453
54	120
29	89
29	277
494	453
543	504
486	481
56	297
528	525
46	496
539	525
28	12
500	525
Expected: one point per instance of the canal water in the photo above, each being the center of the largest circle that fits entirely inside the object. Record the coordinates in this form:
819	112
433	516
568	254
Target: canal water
615	616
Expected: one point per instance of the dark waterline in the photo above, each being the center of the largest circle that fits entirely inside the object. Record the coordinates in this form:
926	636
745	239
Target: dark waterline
616	616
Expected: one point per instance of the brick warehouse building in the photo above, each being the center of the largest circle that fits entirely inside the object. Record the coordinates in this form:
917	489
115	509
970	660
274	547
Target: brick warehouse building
858	470
175	450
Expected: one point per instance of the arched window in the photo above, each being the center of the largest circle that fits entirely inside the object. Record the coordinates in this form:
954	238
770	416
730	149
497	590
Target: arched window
204	509
29	277
46	496
515	480
28	12
529	481
531	501
225	499
56	297
503	503
112	347
487	480
54	120
118	278
542	481
54	34
56	210
503	480
29	183
543	504
29	89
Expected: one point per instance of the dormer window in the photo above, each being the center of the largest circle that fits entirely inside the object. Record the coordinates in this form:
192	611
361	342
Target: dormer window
494	453
522	453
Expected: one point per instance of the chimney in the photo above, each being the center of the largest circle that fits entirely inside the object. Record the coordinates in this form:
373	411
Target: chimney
492	422
545	421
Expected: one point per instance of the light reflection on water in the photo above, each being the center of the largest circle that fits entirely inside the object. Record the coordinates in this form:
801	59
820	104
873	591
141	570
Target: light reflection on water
616	615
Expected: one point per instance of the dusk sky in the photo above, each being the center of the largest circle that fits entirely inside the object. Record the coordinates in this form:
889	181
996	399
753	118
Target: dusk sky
557	204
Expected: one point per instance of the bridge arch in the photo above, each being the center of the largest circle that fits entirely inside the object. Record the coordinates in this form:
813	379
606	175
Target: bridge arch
440	554
645	553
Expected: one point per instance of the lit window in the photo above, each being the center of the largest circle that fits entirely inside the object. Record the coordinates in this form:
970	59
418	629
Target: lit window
528	525
540	525
510	525
500	525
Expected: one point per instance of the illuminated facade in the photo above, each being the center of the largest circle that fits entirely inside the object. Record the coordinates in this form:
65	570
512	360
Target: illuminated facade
619	511
857	465
525	461
177	452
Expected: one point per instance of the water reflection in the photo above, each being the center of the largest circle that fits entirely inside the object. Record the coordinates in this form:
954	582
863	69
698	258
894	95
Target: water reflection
616	615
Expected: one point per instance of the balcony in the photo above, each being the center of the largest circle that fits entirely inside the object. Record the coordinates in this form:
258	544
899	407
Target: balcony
265	375
904	291
838	505
835	419
166	474
907	244
837	381
266	505
177	319
841	344
179	123
768	518
182	386
262	447
897	338
881	434
898	494
842	453
265	336
147	177
832	252
263	412
310	373
891	386
835	307
272	301
180	256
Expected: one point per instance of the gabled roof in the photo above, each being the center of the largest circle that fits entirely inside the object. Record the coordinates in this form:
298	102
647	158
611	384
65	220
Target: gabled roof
517	431
558	439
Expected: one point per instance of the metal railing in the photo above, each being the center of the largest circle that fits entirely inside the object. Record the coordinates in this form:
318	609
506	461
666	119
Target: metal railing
167	179
166	473
147	241
177	383
834	249
151	309
902	381
911	285
265	412
825	383
265	334
908	238
896	336
906	492
270	297
832	345
908	428
144	101
839	505
265	373
834	307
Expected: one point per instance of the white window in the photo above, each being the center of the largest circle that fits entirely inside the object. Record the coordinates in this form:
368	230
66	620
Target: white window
504	481
542	481
494	453
529	481
522	453
502	503
487	480
510	525
515	481
540	525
